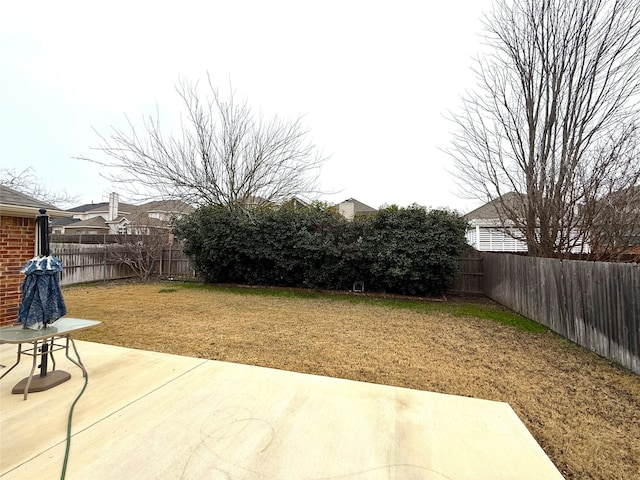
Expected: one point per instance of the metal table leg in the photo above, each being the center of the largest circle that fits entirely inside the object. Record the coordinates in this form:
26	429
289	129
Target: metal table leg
79	362
15	364
33	369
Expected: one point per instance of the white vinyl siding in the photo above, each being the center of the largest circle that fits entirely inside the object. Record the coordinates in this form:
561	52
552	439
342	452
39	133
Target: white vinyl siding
486	239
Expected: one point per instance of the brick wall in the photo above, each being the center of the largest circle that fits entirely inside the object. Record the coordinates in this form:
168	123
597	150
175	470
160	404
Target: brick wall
17	246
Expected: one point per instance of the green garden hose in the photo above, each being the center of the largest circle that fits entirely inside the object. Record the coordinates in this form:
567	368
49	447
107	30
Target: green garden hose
86	382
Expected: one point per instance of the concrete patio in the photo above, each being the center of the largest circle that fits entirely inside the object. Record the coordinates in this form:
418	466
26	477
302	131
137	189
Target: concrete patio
147	415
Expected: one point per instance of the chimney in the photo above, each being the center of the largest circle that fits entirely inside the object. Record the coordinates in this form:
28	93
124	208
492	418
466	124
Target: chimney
113	206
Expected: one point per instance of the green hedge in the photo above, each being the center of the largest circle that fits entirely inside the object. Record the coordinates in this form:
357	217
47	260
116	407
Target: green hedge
401	250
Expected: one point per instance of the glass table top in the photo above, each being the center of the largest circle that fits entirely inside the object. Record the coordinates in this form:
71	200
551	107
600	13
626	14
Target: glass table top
61	327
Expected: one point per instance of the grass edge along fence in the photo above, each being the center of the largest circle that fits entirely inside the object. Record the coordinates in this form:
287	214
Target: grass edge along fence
594	304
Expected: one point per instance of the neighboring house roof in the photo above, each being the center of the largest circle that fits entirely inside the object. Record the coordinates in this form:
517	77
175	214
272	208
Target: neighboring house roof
152	223
17	204
491	229
494	209
359	206
63	222
627	198
94	222
123	208
87	207
118	219
295	203
166	206
487	224
154	214
352	207
255	201
140	220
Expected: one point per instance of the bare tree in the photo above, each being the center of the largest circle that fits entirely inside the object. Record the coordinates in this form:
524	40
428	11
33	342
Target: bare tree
554	117
616	225
223	155
141	246
25	181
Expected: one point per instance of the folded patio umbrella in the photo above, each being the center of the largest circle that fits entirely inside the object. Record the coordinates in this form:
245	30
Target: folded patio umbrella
42	301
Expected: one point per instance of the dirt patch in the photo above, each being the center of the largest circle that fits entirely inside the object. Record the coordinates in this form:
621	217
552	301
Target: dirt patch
583	410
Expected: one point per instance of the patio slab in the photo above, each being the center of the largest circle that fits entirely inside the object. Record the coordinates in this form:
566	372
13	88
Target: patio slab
148	415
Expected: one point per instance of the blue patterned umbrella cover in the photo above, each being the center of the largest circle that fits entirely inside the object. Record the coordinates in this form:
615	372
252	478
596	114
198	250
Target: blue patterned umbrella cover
42	301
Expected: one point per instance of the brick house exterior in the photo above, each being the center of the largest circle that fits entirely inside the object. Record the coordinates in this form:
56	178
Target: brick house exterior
17	245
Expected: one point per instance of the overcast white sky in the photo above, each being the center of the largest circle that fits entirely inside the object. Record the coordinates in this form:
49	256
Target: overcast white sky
374	80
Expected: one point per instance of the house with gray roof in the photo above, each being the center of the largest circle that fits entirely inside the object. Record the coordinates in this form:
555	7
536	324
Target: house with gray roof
352	207
115	217
489	229
14	203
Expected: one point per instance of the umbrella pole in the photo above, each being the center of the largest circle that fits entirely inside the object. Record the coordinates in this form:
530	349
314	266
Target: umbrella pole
42	233
44	360
42	249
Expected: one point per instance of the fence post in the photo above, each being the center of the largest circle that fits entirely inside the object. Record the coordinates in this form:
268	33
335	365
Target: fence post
104	260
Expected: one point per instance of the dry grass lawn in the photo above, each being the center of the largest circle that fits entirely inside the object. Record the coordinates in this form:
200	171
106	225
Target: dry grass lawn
583	410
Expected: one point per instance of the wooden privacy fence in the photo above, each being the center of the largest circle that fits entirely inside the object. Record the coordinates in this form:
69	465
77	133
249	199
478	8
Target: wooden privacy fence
469	278
594	304
92	263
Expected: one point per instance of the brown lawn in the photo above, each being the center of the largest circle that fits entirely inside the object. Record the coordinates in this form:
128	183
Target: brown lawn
583	410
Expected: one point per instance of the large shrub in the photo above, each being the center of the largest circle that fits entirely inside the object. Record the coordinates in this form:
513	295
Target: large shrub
404	250
212	236
412	250
268	246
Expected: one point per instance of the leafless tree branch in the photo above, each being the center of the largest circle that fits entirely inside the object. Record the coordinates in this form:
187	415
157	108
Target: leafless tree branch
224	154
554	118
141	246
25	181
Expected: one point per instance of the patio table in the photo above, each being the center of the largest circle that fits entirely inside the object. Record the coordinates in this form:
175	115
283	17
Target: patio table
43	344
